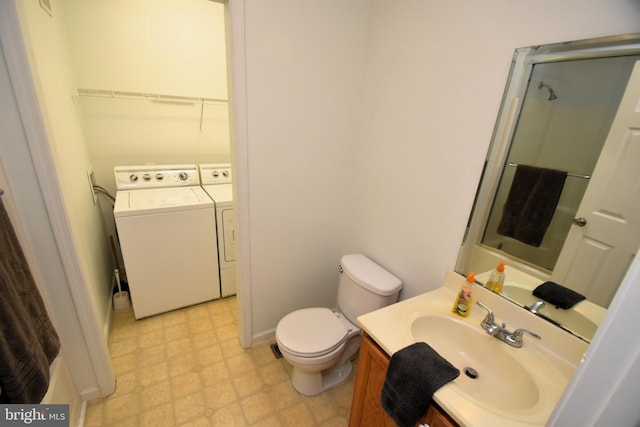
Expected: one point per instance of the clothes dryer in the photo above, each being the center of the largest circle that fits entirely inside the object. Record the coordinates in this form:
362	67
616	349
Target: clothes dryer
216	180
166	226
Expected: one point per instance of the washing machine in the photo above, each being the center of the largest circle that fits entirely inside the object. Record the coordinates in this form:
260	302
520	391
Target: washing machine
216	180
166	226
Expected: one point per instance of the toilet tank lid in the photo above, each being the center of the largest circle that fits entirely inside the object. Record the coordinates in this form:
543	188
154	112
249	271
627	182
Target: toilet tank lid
370	275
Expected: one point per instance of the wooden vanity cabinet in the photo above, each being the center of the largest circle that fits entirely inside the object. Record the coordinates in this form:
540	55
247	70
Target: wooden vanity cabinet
366	410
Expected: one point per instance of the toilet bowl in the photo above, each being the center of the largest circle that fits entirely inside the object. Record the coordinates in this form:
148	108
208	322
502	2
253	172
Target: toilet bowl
318	342
313	340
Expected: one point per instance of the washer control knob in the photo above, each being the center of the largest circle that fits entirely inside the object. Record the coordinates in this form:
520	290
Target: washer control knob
159	176
133	177
146	177
215	174
183	176
225	174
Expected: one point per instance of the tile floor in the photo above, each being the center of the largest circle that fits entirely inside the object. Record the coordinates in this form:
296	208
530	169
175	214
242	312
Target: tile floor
187	368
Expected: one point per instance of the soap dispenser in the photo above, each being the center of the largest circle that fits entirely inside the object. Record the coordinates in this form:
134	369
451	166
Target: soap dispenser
462	305
496	280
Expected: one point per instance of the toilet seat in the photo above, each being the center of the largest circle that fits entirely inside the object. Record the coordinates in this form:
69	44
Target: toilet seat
311	332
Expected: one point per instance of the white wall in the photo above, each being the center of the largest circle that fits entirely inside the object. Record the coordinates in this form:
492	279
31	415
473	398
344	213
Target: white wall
168	47
51	66
304	71
25	205
433	76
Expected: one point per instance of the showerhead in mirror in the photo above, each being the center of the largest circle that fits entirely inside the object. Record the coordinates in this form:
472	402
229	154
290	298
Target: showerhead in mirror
552	93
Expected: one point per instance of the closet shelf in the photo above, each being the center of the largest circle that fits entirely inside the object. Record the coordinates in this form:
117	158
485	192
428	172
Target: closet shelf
154	97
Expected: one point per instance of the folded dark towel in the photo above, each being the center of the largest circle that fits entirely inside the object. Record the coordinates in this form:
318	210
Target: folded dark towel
558	295
28	341
414	374
531	203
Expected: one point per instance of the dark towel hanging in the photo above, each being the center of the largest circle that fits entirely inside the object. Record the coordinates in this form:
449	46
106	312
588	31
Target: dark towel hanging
414	374
28	340
558	295
531	203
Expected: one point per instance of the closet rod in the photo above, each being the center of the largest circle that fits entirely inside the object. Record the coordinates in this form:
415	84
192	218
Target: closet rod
575	175
100	93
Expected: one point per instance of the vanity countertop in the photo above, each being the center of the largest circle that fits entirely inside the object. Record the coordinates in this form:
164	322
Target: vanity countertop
549	362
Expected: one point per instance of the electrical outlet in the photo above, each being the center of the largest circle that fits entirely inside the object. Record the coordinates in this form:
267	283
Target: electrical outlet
91	178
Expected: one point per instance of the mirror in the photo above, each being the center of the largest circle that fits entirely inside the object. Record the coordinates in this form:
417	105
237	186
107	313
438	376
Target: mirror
556	149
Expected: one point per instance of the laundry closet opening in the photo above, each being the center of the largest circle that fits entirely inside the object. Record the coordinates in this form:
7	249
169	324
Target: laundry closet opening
150	86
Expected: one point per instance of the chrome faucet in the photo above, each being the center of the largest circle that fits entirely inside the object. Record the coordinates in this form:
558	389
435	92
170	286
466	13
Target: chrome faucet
536	306
514	338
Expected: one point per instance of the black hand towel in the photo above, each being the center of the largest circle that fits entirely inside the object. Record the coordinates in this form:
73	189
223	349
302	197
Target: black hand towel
558	295
28	341
414	374
531	203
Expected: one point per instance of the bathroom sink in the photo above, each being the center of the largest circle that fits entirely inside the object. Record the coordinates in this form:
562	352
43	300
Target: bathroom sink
569	319
502	383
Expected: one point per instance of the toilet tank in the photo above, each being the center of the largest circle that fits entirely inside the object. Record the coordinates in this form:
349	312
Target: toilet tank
364	286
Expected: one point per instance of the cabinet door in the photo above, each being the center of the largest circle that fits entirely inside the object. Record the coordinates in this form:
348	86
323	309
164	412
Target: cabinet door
366	410
372	370
436	418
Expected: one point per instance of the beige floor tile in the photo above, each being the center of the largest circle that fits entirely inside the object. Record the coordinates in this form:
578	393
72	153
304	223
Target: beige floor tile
187	368
152	374
220	394
272	421
126	383
256	407
199	422
204	339
199	325
209	355
189	407
179	346
150	356
197	312
247	384
175	317
322	407
151	339
229	416
184	384
123	347
123	332
337	421
155	395
232	348
212	373
227	332
294	416
176	332
273	373
240	364
284	395
182	363
159	416
125	363
119	408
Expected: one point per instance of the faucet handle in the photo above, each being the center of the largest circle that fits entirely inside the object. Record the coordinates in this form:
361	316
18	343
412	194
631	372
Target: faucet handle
515	338
488	324
489	318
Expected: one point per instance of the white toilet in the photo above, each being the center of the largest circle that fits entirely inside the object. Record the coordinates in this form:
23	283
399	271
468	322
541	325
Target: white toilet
319	342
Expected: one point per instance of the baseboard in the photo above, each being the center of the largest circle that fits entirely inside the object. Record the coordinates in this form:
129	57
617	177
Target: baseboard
266	336
83	414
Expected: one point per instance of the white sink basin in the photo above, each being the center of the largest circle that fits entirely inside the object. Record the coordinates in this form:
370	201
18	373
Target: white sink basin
502	382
